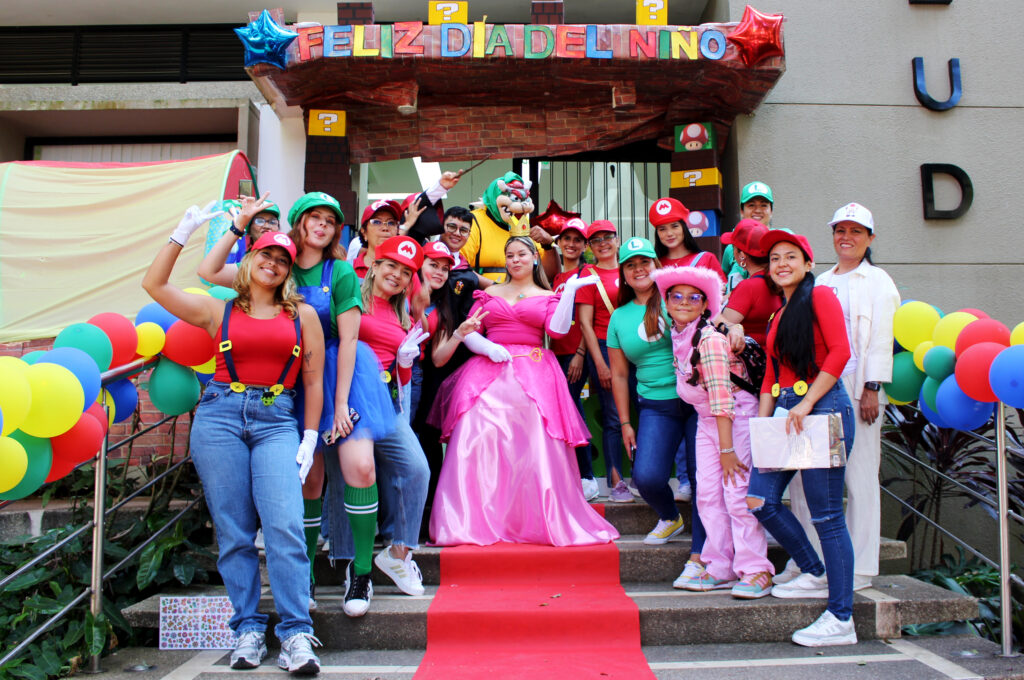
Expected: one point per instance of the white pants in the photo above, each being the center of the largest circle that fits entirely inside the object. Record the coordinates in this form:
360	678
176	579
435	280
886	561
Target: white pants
863	505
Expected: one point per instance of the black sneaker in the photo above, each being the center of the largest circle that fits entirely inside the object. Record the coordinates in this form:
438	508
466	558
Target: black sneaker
358	592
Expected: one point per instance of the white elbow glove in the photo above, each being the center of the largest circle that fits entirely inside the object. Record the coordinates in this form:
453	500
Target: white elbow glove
410	347
561	319
193	218
305	455
478	344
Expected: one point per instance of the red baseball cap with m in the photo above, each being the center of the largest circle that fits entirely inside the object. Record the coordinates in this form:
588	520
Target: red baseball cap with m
403	250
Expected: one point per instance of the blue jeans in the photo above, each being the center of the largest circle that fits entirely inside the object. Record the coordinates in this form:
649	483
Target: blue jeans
244	452
611	426
823	488
583	454
686	454
415	388
665	426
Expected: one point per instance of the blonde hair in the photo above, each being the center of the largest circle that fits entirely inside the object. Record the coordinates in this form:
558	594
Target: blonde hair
286	294
334	250
397	300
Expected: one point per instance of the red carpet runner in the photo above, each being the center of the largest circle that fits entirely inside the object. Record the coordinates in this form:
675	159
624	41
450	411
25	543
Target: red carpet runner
530	611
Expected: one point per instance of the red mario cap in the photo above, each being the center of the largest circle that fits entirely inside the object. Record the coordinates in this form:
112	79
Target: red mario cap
403	250
392	207
598	226
747	237
574	224
779	235
436	250
276	238
667	210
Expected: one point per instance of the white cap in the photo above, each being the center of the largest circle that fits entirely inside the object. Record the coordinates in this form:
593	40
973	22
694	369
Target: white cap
854	212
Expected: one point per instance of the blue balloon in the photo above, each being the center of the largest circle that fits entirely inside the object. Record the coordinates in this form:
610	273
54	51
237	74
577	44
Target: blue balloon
204	378
157	314
1006	376
79	363
933	417
266	42
126	398
959	410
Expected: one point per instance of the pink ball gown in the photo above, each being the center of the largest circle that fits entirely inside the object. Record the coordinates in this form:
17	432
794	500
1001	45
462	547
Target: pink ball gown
509	471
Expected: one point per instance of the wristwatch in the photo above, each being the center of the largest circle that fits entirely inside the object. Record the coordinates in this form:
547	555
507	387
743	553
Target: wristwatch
872	385
236	231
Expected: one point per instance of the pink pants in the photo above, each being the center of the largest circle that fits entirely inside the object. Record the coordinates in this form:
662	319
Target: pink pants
736	545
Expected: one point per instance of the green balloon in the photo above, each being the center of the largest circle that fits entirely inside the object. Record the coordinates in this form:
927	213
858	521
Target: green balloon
222	293
91	340
40	457
928	391
173	388
939	362
906	379
33	357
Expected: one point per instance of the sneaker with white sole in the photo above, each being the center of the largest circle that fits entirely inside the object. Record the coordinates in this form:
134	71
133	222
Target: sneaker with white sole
620	494
297	655
259	542
706	582
358	593
861	582
631	485
405	572
250	650
691	571
804	585
683	493
827	631
753	586
788	574
664	530
590	488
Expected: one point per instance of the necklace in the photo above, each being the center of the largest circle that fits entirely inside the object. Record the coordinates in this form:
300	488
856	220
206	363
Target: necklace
521	296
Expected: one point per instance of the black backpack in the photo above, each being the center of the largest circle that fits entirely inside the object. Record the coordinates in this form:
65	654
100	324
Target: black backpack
754	358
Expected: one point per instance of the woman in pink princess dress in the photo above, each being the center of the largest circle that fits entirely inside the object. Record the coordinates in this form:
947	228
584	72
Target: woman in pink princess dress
510	472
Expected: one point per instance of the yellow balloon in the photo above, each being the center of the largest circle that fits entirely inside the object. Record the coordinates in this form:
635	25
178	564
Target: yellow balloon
897	402
13	463
913	323
57	400
108	398
208	367
197	291
919	353
949	327
151	339
15	393
1017	335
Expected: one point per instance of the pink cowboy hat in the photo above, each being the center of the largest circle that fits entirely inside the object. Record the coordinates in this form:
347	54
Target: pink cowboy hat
704	280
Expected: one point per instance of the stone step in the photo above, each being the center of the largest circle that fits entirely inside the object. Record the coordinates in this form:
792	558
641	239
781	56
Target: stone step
667	616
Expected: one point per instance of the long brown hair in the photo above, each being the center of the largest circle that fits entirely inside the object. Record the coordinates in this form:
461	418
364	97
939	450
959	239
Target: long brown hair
539	277
333	250
286	294
652	312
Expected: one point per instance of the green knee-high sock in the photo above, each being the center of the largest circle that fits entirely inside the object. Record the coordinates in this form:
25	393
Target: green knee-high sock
311	510
361	506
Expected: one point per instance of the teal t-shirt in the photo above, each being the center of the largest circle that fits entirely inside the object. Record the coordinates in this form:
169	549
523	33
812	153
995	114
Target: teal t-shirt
345	291
655	375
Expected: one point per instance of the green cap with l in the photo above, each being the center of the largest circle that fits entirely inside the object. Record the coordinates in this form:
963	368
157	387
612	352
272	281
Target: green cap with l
314	199
755	189
636	247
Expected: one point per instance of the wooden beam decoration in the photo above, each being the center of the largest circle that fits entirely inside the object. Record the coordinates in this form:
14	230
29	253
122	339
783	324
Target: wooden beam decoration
928	171
326	123
652	12
447	12
921	89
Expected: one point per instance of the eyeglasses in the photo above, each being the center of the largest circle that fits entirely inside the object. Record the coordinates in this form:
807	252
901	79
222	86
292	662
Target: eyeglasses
272	222
454	228
381	223
680	298
598	240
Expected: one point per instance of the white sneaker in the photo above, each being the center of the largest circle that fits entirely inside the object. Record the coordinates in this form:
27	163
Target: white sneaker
691	571
664	530
358	593
590	488
297	655
405	573
788	574
327	546
804	585
250	650
260	544
684	493
631	485
861	582
826	631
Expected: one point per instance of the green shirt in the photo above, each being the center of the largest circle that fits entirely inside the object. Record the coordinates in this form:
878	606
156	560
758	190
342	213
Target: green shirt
655	374
345	291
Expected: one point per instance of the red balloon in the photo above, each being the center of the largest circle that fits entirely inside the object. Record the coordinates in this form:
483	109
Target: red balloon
758	36
75	446
188	345
96	411
123	337
976	312
982	330
972	370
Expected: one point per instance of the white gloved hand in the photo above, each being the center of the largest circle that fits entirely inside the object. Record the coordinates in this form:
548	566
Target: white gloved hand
574	282
561	318
193	218
478	344
410	347
305	456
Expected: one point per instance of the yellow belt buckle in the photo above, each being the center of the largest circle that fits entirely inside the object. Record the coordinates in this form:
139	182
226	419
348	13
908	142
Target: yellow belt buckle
385	376
799	388
296	351
776	390
224	346
238	387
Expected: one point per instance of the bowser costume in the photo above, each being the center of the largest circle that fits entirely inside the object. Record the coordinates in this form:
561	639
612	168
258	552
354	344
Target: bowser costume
506	203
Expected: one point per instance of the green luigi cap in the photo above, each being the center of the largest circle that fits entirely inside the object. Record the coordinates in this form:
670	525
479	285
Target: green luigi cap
314	199
636	247
270	208
755	189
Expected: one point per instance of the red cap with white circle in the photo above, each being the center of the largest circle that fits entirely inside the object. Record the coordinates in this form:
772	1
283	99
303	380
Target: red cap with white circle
276	238
667	210
403	250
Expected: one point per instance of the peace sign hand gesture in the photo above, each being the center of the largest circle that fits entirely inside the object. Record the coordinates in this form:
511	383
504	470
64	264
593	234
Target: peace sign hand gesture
471	324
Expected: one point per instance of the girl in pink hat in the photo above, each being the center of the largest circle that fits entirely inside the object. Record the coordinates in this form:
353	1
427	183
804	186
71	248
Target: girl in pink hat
735	551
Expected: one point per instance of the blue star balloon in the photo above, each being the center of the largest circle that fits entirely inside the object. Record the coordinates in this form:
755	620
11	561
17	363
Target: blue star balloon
266	42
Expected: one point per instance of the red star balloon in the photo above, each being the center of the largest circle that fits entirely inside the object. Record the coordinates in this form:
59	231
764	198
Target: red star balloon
758	36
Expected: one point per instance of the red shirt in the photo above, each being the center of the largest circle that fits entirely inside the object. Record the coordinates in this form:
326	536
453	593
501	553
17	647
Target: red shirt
379	328
831	345
567	344
260	348
752	300
702	259
590	295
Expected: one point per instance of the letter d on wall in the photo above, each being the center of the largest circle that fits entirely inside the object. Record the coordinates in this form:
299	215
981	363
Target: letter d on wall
928	171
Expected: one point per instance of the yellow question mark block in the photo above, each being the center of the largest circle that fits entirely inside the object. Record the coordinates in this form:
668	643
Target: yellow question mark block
447	13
